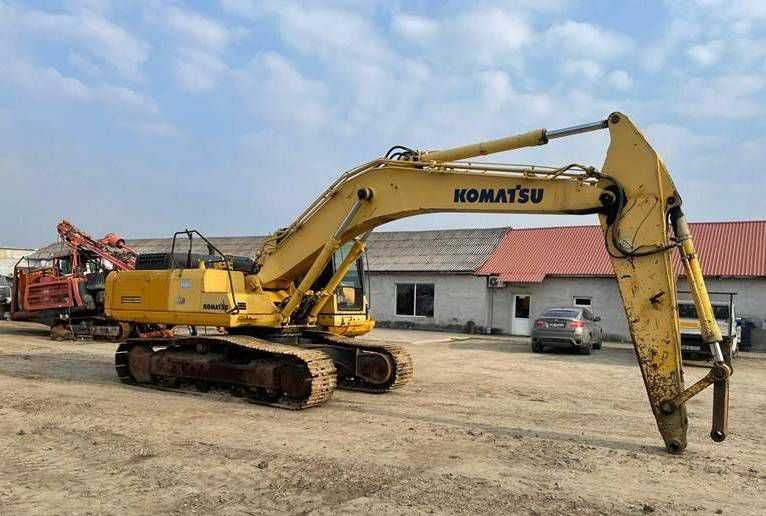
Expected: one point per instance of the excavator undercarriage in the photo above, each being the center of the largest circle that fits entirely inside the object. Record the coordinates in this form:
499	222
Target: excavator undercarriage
296	369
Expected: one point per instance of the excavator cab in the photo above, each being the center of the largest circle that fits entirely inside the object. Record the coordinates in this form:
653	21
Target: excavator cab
346	312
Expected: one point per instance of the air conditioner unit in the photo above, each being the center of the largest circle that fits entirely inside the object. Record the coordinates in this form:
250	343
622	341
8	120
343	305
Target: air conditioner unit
495	282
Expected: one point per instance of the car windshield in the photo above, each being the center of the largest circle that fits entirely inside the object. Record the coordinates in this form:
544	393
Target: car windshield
561	312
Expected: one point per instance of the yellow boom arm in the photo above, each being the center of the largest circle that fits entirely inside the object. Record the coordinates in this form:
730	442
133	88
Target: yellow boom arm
637	203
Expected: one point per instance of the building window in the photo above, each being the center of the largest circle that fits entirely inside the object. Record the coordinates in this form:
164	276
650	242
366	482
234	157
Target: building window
581	301
415	299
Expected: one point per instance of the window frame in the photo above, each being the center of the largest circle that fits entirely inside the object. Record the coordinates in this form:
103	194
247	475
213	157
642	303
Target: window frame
414	299
589	298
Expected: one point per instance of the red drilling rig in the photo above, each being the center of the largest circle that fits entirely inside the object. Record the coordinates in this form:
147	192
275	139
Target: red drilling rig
65	288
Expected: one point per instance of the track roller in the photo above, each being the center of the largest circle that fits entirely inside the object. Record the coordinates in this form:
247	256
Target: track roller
264	372
364	366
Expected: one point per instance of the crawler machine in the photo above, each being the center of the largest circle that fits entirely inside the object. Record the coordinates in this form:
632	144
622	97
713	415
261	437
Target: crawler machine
66	291
275	353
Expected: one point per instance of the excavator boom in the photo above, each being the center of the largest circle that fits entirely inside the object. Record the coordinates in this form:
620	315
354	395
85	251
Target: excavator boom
637	203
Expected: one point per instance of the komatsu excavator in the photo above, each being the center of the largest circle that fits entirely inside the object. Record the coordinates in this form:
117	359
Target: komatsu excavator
274	352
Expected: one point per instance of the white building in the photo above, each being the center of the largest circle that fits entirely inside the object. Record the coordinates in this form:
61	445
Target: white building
8	258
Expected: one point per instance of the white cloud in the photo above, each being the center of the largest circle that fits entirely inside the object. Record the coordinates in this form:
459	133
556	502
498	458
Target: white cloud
701	30
496	86
501	97
156	128
706	54
582	68
490	34
734	9
48	83
276	90
197	70
416	29
198	60
681	29
329	32
96	35
246	8
620	79
199	30
479	37
45	81
126	98
731	96
679	144
98	6
586	40
83	64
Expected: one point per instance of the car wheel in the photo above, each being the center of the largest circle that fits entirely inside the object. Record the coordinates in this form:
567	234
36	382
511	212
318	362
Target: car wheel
537	347
585	350
598	343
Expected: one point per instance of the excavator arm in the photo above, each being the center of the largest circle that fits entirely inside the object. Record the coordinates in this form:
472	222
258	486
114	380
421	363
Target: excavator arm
111	247
637	203
277	302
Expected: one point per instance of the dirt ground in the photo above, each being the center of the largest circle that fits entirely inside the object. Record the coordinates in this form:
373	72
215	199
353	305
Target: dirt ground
486	427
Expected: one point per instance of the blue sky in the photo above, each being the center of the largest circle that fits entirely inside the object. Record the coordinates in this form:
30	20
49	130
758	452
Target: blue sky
230	116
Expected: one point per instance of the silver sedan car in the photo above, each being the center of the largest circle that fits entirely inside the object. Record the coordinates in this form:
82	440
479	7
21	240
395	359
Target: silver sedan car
569	327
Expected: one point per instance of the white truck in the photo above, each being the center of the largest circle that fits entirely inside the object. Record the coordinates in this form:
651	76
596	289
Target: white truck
5	297
692	346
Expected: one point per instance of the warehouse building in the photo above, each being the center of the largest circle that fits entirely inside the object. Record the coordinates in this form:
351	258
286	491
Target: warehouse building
427	279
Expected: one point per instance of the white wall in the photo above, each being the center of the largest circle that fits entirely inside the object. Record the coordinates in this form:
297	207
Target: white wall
458	298
463	298
606	300
9	257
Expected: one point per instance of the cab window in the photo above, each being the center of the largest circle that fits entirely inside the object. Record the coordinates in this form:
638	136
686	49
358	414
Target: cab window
65	265
687	311
350	291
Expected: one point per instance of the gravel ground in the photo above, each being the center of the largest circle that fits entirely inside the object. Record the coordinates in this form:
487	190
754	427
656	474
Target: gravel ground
485	427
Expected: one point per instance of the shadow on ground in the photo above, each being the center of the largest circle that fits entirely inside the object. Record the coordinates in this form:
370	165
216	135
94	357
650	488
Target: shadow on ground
34	330
503	431
70	367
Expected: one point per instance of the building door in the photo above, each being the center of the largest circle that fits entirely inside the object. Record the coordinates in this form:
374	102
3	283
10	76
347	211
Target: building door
520	323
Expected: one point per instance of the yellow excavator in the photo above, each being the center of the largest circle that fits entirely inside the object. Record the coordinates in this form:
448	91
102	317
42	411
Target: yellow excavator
276	351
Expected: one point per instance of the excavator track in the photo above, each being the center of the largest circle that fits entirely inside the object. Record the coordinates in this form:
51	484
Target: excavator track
267	373
398	357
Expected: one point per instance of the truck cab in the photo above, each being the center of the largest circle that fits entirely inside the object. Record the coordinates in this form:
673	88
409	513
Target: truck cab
724	310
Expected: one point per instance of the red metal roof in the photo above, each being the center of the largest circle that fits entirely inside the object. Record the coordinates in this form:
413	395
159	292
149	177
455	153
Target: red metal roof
726	249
